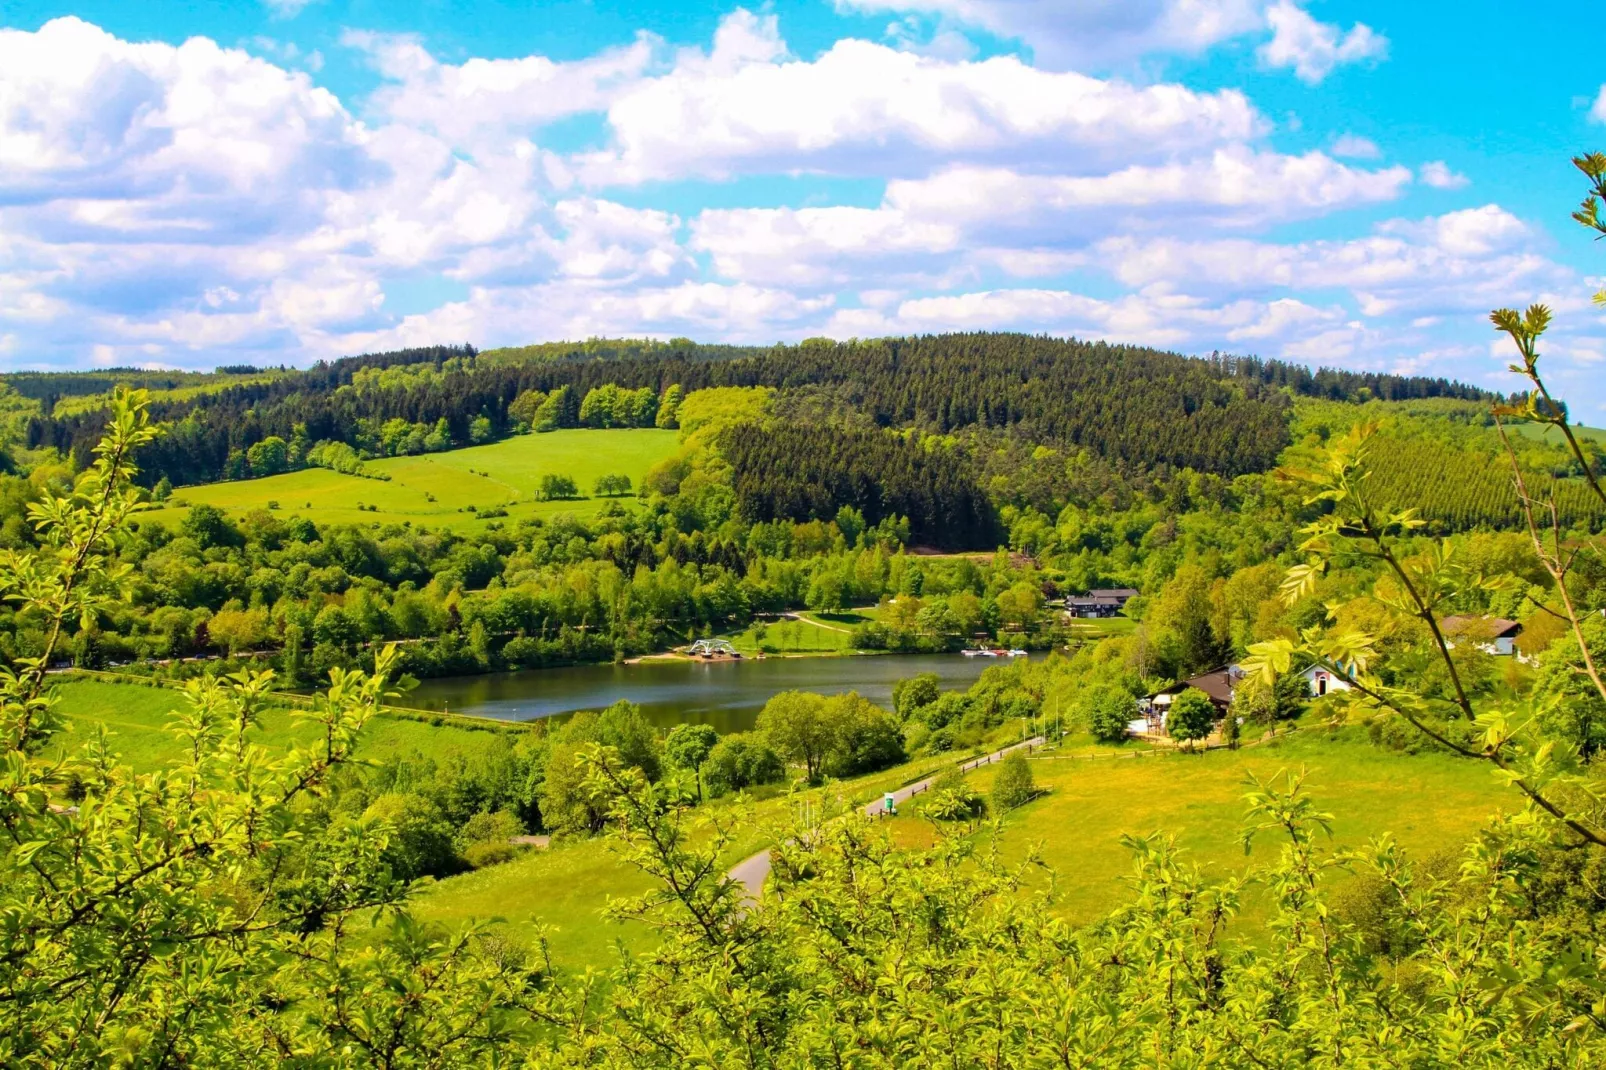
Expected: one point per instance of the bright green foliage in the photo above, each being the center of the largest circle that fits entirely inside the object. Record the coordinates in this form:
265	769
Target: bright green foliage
1106	712
166	917
669	407
971	969
1013	786
688	746
612	485
1191	716
796	724
742	760
557	488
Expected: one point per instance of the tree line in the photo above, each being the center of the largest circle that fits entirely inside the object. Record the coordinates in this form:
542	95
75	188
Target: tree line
1131	405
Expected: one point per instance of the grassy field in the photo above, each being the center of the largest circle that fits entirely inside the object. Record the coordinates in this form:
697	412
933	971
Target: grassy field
566	887
1551	435
434	489
1098	628
1430	802
137	718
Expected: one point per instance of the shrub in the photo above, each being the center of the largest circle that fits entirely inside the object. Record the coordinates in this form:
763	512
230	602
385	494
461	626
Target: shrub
1105	712
1014	785
741	760
488	853
1192	716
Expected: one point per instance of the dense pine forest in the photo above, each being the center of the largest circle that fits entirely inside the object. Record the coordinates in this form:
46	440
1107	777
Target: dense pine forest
1131	406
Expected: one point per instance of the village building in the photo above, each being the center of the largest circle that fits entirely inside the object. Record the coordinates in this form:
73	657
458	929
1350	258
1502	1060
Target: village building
1218	686
1492	635
1321	681
1099	602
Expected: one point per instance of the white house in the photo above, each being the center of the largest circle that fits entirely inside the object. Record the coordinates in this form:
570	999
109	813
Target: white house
1320	681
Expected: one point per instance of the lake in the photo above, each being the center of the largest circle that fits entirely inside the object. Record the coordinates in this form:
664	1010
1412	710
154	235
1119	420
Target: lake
725	694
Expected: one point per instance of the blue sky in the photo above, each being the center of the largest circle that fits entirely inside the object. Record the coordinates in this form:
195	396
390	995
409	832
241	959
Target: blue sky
1348	184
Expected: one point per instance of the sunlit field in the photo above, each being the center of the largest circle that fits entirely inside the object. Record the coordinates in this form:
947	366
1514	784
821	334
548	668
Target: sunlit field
435	489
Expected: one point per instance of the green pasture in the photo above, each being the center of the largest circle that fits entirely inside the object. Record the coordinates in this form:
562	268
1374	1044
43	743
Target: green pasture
563	890
137	718
1554	437
1098	628
1429	802
433	490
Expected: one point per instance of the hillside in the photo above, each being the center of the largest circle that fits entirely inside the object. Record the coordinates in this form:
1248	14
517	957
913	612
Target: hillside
1132	407
437	490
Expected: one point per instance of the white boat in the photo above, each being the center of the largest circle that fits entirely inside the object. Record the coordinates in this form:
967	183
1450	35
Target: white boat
1017	653
979	653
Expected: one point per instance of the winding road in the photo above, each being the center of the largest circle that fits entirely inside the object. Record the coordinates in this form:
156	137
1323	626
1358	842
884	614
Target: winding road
753	872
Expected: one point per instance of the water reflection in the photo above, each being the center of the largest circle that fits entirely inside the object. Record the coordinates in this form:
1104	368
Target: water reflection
727	695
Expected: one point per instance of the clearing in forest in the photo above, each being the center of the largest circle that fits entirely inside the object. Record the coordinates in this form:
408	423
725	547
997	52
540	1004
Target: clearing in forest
435	489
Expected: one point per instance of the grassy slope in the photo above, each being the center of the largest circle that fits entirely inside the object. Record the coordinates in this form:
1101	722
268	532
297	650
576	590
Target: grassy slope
1551	435
137	717
514	466
1429	802
566	887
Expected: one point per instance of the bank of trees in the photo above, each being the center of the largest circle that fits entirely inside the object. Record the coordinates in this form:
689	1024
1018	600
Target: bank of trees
1131	406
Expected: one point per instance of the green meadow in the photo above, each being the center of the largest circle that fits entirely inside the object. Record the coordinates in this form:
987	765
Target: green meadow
1428	802
1095	794
435	489
137	719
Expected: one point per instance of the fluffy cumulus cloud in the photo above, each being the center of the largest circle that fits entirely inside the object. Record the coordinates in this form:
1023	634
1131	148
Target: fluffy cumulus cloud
862	108
1311	49
198	204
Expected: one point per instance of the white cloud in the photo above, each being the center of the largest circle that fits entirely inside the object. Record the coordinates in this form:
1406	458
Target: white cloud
492	96
1459	264
1597	111
1437	174
197	205
1314	48
864	108
1092	33
1355	146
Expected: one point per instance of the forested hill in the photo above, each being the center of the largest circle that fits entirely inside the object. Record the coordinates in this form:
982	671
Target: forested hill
1131	406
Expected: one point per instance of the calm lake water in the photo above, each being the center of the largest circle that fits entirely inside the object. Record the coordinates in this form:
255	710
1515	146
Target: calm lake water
727	695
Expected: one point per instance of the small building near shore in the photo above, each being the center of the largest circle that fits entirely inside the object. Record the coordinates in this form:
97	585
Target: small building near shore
1099	602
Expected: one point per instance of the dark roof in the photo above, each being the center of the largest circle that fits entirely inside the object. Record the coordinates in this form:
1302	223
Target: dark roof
1217	684
1113	592
1480	627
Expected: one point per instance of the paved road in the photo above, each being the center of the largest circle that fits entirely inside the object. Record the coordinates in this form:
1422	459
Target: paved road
752	872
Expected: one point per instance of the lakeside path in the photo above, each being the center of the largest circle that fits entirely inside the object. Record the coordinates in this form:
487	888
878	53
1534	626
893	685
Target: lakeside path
753	872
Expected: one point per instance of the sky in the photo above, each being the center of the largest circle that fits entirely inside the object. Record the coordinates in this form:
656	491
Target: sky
1351	185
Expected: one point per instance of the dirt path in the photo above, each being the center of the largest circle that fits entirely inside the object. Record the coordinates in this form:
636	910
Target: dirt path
752	872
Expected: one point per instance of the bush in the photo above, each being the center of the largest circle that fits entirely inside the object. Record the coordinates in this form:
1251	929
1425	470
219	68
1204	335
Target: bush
1014	785
489	827
952	799
420	839
488	853
1191	717
739	761
1105	712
